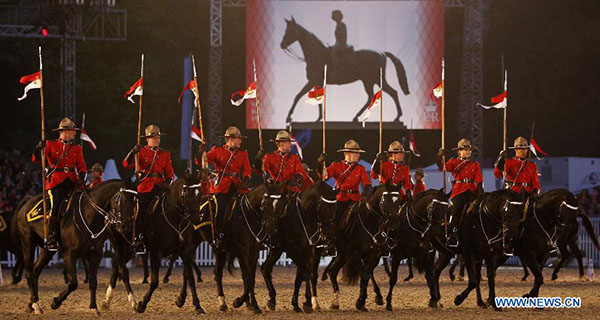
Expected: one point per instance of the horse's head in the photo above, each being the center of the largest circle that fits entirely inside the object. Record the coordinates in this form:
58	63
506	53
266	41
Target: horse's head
189	195
273	204
324	201
124	205
389	201
513	211
291	33
433	208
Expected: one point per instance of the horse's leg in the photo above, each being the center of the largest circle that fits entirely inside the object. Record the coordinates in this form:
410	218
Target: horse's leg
219	265
411	274
86	269
477	272
473	281
525	270
452	268
394	94
154	268
369	90
252	262
491	265
237	302
565	256
300	94
314	276
28	248
325	274
533	265
197	270
172	259
145	267
17	271
376	290
71	268
93	262
579	256
267	271
371	261
336	264
189	272
307	306
297	283
180	301
393	280
439	266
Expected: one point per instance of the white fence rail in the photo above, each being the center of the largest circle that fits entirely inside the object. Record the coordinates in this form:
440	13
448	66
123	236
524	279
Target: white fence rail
204	255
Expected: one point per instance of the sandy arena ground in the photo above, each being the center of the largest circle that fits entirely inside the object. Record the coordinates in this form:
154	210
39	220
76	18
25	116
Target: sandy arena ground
410	298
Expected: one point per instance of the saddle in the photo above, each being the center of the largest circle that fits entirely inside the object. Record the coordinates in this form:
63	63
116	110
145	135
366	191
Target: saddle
37	213
347	215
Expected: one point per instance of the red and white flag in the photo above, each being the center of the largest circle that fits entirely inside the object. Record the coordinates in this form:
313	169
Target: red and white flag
413	146
535	148
316	96
499	102
85	137
249	93
438	91
193	86
195	134
137	89
32	81
375	102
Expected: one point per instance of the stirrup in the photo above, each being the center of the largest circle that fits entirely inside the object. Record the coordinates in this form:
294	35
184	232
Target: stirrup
51	245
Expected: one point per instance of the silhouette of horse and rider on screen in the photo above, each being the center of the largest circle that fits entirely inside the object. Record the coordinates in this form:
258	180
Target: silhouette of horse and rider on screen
344	64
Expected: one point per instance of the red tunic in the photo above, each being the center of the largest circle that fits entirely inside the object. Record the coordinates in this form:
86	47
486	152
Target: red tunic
347	178
272	163
419	187
239	165
522	173
466	173
62	158
394	173
154	166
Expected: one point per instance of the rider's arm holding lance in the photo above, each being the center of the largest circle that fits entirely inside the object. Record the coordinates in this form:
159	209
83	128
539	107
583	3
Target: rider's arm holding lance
366	182
81	167
129	161
376	167
245	172
169	174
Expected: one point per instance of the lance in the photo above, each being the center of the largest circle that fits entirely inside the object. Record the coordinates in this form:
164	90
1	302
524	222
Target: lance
443	128
139	128
43	156
381	110
504	115
324	173
530	138
82	127
260	139
204	160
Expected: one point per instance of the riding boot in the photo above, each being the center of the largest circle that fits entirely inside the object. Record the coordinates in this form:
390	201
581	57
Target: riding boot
219	243
138	245
331	249
507	248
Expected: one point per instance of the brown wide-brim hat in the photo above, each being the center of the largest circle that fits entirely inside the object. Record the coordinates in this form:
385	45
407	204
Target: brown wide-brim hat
66	124
351	146
283	136
396	147
420	172
233	132
520	143
97	167
152	131
464	144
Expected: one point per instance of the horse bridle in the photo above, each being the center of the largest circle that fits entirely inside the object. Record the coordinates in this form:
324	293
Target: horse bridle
114	216
427	223
182	207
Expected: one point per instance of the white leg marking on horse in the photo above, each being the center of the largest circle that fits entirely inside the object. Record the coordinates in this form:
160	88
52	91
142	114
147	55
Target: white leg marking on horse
131	299
96	312
315	302
37	308
222	301
109	296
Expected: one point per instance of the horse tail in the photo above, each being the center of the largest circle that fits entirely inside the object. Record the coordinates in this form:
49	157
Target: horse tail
230	258
352	269
400	71
590	229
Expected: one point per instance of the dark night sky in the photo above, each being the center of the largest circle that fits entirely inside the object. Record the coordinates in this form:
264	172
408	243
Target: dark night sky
551	50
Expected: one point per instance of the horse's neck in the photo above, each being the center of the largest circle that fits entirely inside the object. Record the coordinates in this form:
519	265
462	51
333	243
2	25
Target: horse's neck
312	47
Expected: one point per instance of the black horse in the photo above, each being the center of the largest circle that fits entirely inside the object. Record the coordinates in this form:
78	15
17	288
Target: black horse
361	242
299	231
170	231
9	241
363	65
83	228
172	258
411	239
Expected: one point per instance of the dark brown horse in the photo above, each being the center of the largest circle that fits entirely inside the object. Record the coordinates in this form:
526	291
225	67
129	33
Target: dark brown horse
83	230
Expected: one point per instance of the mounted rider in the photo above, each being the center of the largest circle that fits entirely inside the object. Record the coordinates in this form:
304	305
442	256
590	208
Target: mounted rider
467	185
348	175
521	173
66	166
231	177
388	167
155	174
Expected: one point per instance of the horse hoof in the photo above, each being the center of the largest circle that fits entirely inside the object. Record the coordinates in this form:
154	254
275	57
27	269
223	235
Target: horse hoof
334	307
379	300
554	276
199	311
165	280
524	278
482	305
458	300
257	310
37	309
461	278
199	280
223	307
307	308
388	307
105	305
433	304
360	305
140	307
237	302
144	281
55	304
179	302
452	277
28	309
297	309
271	304
96	312
315	303
324	276
527	295
408	278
